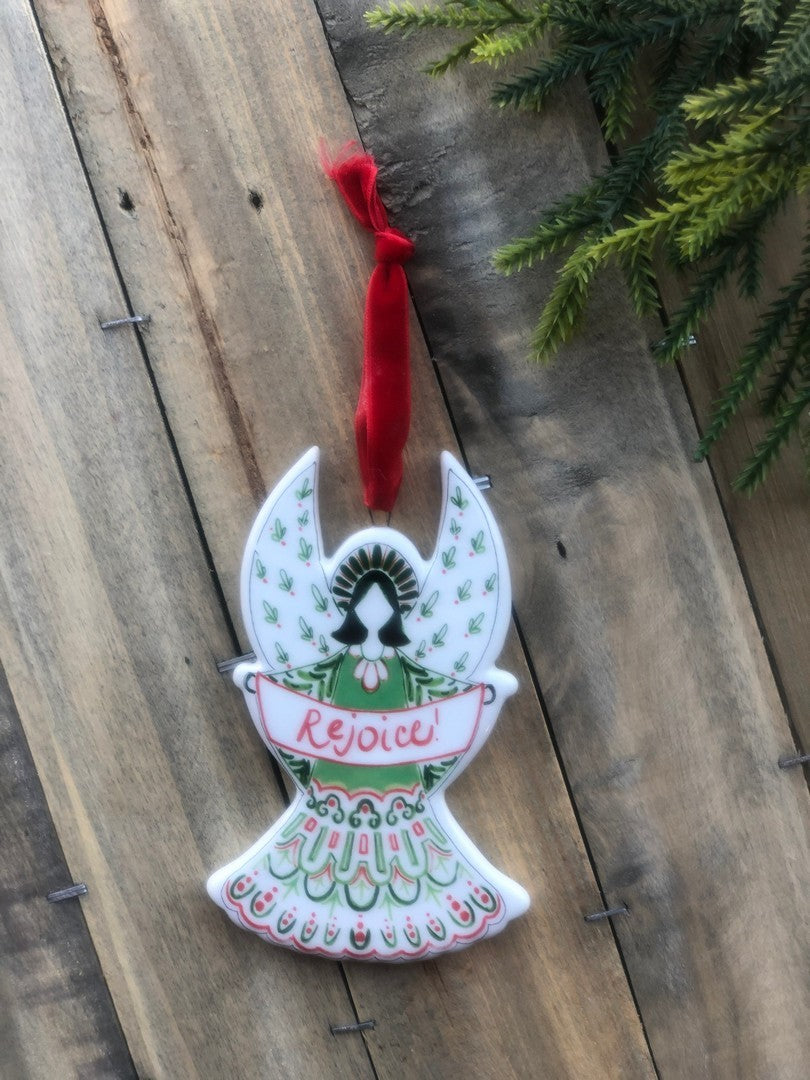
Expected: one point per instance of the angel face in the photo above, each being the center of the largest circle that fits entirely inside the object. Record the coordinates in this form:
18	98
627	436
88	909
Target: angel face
373	617
374	612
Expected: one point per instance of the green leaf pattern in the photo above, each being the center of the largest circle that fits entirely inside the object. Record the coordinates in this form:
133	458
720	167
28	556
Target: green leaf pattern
293	614
456	610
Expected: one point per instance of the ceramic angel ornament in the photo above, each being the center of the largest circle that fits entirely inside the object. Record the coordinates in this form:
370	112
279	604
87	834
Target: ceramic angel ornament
374	686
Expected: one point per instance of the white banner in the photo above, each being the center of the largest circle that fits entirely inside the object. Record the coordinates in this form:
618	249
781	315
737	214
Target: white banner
303	725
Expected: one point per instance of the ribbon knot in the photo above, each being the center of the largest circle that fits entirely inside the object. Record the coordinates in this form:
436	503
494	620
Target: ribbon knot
384	408
392	246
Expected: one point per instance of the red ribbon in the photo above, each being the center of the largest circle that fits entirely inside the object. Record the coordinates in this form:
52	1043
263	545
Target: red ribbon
384	409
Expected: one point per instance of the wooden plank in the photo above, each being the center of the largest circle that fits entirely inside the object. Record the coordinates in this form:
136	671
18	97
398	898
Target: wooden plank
57	1018
536	992
258	315
772	527
769	527
109	632
629	593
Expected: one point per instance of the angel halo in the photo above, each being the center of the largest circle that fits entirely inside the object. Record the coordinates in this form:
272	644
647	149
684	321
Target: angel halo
374	686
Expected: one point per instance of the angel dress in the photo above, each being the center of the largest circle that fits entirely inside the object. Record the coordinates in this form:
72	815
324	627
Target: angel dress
362	865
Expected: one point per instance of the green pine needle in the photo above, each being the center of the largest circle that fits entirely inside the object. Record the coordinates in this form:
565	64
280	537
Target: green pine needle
796	356
697	303
638	272
496	49
761	15
557	229
565	305
530	91
452	59
750	276
786	423
773	326
743	96
407	17
790	53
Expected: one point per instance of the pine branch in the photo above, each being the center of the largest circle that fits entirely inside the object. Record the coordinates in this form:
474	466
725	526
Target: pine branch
750	274
710	9
773	325
628	176
565	304
710	216
529	91
743	96
406	17
484	17
707	57
609	197
517	13
748	236
581	23
640	277
787	422
613	87
745	239
790	53
620	106
656	225
666	58
760	15
451	59
797	354
495	49
557	228
742	147
694	308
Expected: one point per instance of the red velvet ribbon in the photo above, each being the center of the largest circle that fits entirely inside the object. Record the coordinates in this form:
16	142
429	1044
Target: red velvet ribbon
384	409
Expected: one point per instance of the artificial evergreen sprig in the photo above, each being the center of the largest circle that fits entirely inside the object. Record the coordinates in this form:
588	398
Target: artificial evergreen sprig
729	84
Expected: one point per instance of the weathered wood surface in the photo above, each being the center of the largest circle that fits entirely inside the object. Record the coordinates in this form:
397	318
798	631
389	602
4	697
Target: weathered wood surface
629	593
255	345
109	632
56	1015
627	586
771	530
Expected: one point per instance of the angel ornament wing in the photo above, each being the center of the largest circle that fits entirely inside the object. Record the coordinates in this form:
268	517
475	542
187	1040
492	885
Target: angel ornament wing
374	686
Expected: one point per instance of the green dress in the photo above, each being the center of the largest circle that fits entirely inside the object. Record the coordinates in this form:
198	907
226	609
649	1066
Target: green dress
361	864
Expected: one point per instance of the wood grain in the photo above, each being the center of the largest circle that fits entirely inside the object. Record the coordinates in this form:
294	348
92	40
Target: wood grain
770	528
56	1015
110	627
629	593
258	315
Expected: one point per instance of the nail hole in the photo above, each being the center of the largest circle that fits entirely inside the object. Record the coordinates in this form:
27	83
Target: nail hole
187	660
125	201
255	200
561	549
